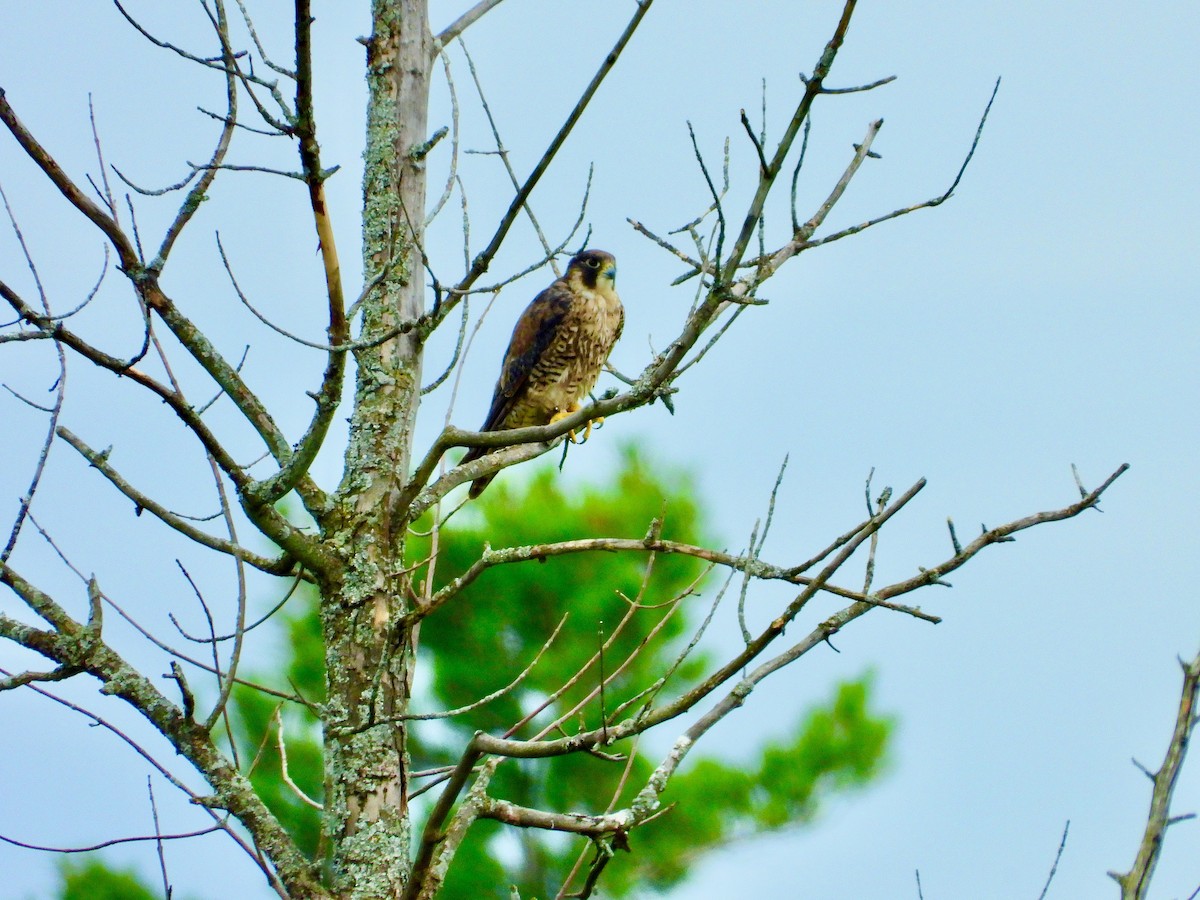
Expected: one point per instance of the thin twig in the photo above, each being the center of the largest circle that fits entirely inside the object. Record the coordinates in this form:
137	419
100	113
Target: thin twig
221	822
503	154
463	22
482	701
217	638
98	459
1062	844
856	89
282	70
927	204
147	634
484	259
158	841
199	191
452	174
283	764
111	842
60	388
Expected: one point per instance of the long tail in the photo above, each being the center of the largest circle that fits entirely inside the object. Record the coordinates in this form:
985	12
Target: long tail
478	484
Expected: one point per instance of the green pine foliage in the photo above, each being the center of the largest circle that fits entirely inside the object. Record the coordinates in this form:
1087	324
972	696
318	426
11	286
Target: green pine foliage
92	879
491	632
258	719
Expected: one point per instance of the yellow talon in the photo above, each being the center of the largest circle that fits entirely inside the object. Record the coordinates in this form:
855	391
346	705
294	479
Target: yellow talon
587	431
597	422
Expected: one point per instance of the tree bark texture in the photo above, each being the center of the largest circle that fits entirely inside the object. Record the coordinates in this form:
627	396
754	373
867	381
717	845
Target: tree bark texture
370	643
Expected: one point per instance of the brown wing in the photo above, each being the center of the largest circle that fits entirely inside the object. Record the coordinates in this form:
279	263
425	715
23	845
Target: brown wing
533	334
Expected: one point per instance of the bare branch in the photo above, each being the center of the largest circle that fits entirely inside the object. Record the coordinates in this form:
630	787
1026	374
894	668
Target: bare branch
217	638
261	170
767	267
457	777
648	718
221	822
21	679
796	170
158	840
720	294
854	90
758	149
249	80
452	173
434	318
146	282
503	154
616	794
572	823
813	87
283	764
1136	882
239	631
265	517
429	872
462	23
42	158
647	696
106	194
233	792
603	678
716	197
497	694
432	835
60	388
156	192
342	348
287	73
458	349
484	259
749	564
281	565
651	717
927	204
1062	845
998	535
199	190
96	596
665	244
112	842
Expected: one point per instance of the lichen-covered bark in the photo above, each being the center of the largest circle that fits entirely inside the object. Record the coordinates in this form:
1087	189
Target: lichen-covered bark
370	647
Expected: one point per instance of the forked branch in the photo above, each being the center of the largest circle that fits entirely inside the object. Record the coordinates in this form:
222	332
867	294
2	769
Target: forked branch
646	803
481	262
295	468
74	645
665	367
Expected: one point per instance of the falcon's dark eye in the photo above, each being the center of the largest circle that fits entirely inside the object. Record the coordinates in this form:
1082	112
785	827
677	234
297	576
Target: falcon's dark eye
593	263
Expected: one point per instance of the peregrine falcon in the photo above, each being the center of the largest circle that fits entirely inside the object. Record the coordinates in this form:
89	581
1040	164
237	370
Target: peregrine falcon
557	349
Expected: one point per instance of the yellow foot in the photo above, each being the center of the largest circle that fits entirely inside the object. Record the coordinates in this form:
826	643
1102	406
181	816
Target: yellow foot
587	432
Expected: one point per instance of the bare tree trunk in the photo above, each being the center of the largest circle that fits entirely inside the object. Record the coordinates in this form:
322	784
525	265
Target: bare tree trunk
370	639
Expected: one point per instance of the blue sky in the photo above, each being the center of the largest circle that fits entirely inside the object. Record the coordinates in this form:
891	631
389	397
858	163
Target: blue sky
1045	316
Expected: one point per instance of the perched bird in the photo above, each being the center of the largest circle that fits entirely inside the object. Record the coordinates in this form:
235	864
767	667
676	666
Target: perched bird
557	349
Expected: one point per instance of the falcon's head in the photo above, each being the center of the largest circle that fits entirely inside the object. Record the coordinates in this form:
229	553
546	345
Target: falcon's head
593	269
